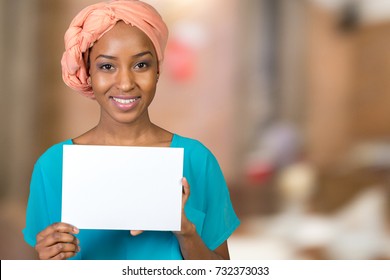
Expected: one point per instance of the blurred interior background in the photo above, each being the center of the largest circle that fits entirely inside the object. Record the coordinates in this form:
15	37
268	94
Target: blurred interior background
293	98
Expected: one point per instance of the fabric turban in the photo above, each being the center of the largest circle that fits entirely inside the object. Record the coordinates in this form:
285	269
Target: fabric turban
93	22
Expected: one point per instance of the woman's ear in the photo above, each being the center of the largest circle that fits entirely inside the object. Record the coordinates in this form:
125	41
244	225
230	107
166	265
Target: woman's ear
89	82
86	59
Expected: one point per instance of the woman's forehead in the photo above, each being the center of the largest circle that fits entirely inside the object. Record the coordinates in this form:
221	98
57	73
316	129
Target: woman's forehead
124	37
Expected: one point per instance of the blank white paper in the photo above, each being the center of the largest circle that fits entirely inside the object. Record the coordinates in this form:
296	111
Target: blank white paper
124	188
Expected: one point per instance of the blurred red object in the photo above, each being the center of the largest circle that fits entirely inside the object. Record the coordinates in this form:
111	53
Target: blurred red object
180	60
259	173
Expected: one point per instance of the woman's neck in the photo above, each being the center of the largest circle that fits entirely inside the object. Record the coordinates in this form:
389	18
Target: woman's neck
118	134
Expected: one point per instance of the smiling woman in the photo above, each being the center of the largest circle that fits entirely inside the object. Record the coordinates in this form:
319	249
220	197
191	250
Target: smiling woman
113	54
123	72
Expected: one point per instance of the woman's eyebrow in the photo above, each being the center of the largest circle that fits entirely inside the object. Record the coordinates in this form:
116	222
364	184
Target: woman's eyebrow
106	56
142	54
134	56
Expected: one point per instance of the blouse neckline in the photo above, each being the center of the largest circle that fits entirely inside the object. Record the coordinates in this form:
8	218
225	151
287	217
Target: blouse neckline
173	141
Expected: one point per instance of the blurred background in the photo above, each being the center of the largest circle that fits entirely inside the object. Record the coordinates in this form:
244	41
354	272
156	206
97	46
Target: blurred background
292	96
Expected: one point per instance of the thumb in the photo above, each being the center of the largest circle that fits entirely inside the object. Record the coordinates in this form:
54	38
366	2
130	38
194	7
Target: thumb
186	190
136	232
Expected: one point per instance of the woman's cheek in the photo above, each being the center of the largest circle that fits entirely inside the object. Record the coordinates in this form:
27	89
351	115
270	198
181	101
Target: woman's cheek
100	82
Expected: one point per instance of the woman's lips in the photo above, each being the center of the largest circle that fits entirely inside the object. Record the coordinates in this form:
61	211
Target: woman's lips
125	103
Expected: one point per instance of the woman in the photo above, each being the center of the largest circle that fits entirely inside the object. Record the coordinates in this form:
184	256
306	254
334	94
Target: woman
113	54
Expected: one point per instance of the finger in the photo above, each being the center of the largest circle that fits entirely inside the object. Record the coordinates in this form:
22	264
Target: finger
60	227
136	232
56	237
56	249
63	256
186	190
51	246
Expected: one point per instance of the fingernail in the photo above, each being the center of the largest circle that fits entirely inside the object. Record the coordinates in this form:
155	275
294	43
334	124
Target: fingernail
75	230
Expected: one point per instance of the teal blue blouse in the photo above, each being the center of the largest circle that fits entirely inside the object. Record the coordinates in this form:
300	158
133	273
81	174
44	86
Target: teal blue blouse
208	207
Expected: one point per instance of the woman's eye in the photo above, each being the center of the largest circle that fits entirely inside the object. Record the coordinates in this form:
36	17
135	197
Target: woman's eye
141	65
106	67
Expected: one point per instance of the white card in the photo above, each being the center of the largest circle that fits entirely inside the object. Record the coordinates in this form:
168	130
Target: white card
119	187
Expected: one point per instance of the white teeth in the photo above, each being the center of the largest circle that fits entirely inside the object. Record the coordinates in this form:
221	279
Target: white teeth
124	101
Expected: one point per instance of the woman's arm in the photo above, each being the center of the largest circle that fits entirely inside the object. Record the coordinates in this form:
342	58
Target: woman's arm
191	245
193	248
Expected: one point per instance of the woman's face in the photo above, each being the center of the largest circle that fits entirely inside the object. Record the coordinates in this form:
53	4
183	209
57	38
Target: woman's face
123	70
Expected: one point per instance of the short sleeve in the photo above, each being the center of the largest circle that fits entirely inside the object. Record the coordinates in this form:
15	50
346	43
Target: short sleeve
220	220
37	217
209	206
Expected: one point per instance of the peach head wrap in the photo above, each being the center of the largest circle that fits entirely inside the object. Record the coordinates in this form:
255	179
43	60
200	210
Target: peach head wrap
93	22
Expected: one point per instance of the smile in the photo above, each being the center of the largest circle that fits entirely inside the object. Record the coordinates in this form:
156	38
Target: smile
124	101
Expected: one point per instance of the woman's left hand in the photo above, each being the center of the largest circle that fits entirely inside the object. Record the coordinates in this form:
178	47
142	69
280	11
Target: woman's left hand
192	246
187	228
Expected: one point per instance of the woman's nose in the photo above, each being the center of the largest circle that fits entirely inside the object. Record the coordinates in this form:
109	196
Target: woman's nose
126	80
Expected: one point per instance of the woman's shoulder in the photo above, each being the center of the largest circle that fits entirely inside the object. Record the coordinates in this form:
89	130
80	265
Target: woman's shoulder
188	143
54	152
193	149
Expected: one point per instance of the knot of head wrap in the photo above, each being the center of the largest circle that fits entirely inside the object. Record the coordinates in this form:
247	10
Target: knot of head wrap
93	22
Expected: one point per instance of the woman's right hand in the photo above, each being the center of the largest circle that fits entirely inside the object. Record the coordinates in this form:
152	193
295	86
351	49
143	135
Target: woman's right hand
57	242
